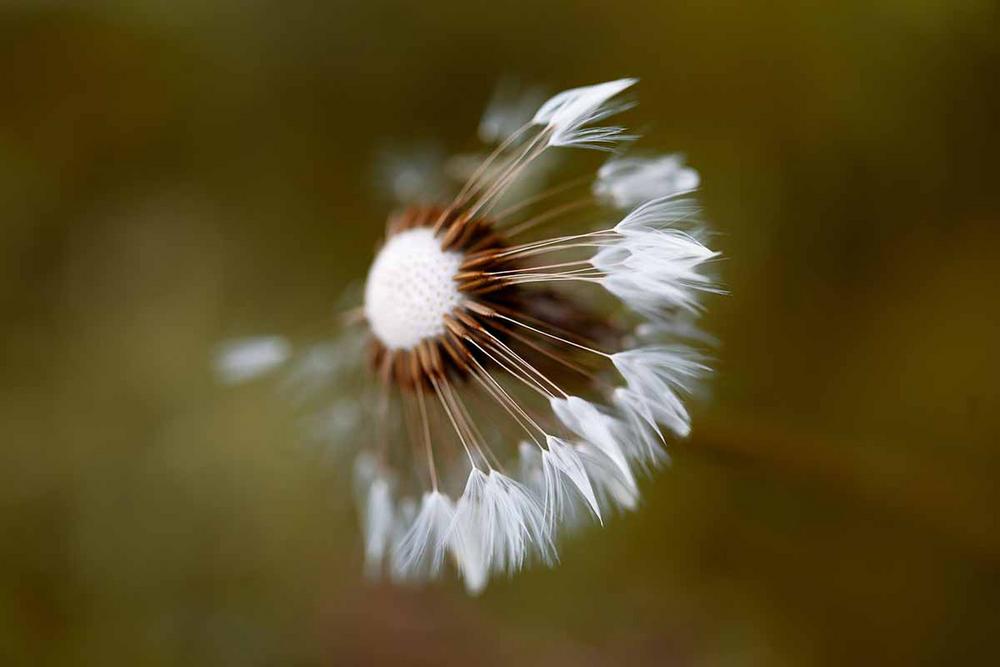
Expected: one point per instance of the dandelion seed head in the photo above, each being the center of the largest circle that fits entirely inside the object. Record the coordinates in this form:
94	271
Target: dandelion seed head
528	368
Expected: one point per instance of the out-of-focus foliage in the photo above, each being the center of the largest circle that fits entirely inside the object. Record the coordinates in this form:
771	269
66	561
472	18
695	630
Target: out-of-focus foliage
175	173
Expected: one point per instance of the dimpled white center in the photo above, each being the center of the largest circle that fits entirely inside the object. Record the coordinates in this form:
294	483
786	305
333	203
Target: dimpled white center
410	288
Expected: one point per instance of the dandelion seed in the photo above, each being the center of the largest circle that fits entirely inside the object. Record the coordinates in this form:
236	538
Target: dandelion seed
374	490
245	359
511	404
628	182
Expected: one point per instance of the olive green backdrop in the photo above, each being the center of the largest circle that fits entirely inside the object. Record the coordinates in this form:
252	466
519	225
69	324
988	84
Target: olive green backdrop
173	173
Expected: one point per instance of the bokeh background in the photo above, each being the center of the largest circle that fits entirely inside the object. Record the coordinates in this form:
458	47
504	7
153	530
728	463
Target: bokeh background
177	172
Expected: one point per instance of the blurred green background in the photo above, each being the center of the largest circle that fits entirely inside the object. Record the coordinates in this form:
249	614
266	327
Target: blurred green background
175	172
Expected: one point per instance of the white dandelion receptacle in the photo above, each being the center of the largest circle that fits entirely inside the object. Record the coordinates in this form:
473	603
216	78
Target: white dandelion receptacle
528	366
411	288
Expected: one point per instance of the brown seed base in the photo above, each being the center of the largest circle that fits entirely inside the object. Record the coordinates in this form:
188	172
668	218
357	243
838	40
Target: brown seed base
455	355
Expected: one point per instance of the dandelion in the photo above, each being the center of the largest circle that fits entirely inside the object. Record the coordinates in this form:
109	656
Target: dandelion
530	355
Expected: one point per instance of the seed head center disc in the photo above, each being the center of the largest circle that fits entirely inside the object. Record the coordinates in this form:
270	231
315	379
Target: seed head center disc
410	288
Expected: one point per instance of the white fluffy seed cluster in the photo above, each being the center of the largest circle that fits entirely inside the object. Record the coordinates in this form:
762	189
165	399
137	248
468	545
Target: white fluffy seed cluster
583	459
410	288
